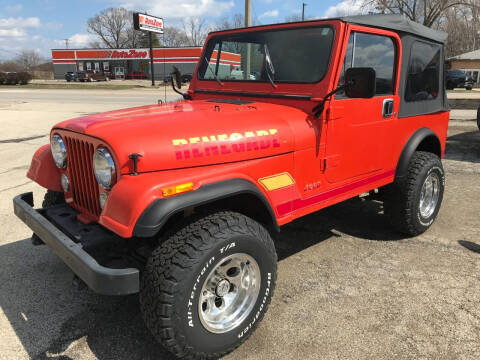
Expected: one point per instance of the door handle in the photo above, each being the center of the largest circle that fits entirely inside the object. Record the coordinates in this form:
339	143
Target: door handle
387	108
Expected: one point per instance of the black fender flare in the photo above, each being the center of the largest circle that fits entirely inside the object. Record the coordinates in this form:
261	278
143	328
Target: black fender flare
156	215
409	149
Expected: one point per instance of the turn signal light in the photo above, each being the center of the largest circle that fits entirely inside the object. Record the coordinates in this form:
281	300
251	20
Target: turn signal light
177	189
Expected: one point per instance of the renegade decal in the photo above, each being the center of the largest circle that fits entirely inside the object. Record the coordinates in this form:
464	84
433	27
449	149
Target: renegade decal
275	182
223	144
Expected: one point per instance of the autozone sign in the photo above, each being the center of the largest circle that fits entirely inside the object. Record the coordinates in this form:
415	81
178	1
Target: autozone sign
128	54
147	23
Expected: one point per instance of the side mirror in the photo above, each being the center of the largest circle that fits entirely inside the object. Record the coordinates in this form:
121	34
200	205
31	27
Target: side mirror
360	82
177	77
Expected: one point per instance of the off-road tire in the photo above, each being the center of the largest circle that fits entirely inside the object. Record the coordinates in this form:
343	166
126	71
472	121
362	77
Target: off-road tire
52	198
176	270
402	198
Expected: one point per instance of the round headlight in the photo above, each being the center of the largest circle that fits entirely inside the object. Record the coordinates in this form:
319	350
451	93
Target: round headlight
59	151
104	167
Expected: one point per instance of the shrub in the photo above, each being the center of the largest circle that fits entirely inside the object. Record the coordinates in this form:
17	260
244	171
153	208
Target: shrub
24	77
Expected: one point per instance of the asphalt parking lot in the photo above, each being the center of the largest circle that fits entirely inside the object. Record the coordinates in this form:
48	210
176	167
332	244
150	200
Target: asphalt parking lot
348	286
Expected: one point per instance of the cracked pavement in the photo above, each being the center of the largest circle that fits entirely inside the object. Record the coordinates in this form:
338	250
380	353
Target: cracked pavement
348	286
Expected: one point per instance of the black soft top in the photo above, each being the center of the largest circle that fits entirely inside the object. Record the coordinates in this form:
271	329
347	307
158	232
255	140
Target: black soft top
397	23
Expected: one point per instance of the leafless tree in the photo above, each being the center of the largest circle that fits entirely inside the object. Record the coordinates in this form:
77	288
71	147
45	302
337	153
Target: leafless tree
28	59
114	27
10	65
462	24
235	22
174	37
427	12
459	18
294	18
196	30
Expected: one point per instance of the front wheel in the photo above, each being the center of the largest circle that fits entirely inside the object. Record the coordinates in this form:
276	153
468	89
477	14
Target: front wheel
206	288
412	204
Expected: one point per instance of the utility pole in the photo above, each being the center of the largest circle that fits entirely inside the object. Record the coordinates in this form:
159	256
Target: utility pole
248	23
66	42
303	11
150	40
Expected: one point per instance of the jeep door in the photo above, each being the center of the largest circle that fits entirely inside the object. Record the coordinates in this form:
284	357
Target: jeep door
358	129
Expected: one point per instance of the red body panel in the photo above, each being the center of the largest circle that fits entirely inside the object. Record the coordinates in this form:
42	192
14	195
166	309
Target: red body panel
43	169
188	134
314	162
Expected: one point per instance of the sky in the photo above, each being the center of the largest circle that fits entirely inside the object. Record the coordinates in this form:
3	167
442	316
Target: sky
44	24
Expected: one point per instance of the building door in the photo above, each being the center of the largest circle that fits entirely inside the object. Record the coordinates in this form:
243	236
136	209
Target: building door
119	72
357	129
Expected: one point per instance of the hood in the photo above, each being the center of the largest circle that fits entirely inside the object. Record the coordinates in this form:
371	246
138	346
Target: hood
191	133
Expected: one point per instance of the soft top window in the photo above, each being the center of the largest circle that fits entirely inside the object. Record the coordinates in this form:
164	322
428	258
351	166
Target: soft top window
423	72
297	56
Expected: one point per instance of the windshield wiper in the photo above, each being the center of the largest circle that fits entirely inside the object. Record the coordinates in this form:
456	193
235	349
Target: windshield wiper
269	69
214	75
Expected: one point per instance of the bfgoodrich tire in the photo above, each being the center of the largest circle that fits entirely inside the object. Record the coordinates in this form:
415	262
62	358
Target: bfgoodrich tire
413	203
52	198
206	288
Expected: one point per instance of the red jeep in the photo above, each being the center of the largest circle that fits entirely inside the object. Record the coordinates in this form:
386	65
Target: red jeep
189	193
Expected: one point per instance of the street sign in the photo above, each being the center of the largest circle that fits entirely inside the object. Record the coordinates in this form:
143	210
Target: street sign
147	23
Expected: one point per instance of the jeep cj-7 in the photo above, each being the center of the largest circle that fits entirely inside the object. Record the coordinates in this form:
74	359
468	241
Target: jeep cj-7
279	122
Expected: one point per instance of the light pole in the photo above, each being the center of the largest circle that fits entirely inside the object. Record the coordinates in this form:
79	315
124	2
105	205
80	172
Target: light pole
248	23
303	11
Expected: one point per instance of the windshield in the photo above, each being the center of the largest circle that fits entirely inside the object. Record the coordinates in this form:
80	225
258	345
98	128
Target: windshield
297	56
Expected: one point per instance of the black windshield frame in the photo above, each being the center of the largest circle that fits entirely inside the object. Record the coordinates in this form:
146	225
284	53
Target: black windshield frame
220	38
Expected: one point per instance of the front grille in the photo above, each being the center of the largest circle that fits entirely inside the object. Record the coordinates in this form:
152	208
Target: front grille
83	185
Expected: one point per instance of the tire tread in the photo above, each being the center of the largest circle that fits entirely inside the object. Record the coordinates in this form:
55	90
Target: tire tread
163	275
400	202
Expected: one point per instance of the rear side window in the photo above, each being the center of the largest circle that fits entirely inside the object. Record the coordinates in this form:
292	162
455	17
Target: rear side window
423	72
375	51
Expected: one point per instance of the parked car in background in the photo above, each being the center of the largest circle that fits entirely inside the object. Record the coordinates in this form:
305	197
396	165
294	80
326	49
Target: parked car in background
93	76
14	78
11	78
71	76
458	79
24	77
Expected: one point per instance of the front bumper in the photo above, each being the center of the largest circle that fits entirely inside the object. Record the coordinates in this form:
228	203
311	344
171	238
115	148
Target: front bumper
103	280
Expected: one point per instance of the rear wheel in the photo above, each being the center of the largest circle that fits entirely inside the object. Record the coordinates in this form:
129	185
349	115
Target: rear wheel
206	288
412	204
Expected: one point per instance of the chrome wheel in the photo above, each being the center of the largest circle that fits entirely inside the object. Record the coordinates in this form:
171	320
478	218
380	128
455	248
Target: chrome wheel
229	293
429	195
